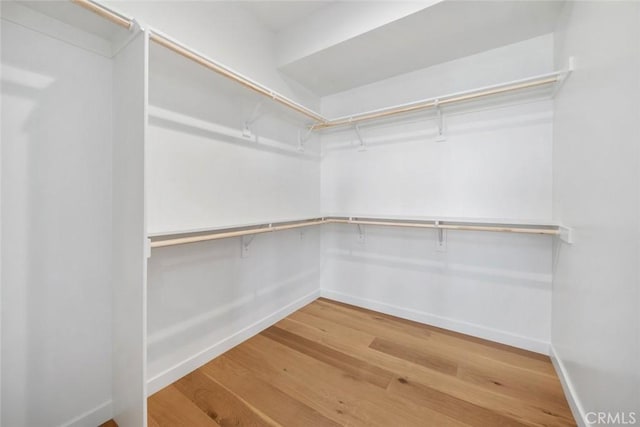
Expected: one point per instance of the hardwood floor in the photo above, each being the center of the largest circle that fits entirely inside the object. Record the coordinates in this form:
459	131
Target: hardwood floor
331	364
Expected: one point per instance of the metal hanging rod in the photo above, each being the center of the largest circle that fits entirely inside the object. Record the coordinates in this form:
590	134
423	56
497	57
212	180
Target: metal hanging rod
159	242
483	92
188	53
105	12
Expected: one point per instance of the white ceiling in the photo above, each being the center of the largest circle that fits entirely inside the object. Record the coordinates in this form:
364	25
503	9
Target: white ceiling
439	31
277	15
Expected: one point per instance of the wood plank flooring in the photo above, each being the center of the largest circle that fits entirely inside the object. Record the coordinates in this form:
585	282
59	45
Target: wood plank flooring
331	364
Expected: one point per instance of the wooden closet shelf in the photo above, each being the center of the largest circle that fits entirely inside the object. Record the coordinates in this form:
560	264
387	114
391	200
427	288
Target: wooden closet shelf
460	225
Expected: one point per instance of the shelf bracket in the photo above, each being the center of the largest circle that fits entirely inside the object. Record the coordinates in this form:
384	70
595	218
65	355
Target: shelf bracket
304	138
362	146
441	243
440	118
566	234
361	235
246	242
255	115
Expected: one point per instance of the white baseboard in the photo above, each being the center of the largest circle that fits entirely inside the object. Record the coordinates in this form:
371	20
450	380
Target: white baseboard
93	417
103	412
181	369
442	322
569	390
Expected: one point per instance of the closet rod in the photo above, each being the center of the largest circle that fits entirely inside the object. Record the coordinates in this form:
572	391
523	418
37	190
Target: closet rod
443	100
265	228
193	56
105	13
462	227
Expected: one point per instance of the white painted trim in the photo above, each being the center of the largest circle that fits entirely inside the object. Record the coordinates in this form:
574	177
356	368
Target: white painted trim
569	390
442	322
93	417
193	362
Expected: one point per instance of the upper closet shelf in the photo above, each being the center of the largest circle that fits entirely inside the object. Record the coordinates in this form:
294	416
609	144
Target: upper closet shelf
539	85
547	83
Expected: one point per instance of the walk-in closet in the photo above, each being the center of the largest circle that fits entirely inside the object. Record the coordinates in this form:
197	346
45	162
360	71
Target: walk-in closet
319	213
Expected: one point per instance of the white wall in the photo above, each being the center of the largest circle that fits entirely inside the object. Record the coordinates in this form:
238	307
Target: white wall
489	285
596	323
203	174
56	213
495	163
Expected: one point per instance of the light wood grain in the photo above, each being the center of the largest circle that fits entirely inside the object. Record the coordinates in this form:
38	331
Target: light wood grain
262	396
330	391
424	336
334	364
159	242
220	403
171	408
501	401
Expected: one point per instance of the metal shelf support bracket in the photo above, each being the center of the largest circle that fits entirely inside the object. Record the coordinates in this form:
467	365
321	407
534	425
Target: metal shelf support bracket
362	146
440	118
441	243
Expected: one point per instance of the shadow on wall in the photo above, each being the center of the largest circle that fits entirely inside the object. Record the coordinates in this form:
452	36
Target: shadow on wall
56	236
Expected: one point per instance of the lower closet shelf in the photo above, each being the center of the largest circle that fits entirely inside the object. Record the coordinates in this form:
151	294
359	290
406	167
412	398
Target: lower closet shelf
172	239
